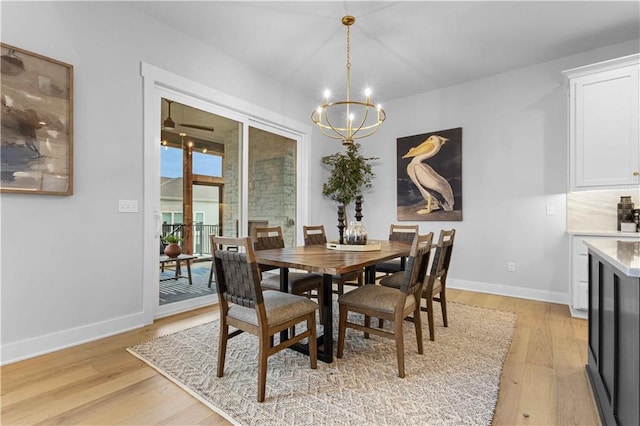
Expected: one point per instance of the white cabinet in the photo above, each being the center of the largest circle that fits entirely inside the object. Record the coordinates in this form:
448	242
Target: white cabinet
604	129
579	297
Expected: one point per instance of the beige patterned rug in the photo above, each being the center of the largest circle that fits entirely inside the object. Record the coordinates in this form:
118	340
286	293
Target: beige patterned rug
455	382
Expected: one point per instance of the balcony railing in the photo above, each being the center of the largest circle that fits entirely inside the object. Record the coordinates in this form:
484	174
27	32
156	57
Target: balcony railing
201	232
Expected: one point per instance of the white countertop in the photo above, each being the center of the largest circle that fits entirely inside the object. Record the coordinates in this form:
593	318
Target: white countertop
623	255
603	233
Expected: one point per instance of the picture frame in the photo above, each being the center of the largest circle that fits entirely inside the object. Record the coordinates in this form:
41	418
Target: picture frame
429	176
36	149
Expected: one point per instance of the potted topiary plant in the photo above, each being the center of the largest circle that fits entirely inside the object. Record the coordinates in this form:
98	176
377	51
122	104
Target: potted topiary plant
172	248
350	174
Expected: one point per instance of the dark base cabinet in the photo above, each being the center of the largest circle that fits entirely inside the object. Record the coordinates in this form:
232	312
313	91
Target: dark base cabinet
614	351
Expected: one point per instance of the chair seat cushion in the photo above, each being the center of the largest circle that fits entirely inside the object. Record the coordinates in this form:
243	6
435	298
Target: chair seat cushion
349	276
394	280
379	298
280	307
299	282
390	266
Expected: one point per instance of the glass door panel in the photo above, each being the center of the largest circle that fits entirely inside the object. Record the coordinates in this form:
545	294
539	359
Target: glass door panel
206	217
272	182
199	189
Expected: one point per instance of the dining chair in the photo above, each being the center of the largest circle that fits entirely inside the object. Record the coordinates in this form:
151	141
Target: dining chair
404	233
435	284
314	234
389	303
299	282
244	306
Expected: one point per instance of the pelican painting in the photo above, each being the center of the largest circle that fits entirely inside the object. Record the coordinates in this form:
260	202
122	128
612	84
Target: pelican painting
434	188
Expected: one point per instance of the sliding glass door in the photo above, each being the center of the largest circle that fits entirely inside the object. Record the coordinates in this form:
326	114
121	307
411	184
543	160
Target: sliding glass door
272	182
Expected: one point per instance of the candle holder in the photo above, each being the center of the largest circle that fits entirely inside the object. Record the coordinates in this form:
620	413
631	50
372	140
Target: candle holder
341	223
358	208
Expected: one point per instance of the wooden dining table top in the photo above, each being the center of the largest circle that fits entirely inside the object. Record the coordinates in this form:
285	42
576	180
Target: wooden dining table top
320	259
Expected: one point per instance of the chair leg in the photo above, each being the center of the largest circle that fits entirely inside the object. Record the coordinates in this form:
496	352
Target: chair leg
313	342
443	305
262	367
380	323
320	300
367	323
222	346
399	346
210	275
430	318
417	321
340	287
342	325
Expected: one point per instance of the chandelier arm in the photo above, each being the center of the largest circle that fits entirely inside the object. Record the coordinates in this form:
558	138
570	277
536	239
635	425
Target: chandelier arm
362	122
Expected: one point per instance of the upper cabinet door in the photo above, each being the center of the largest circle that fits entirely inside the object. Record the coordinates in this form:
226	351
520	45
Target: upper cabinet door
604	135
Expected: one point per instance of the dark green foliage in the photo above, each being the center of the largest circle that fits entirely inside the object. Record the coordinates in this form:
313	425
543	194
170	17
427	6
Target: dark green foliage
351	173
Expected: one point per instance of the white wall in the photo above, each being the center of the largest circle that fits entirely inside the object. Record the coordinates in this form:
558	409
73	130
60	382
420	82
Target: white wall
514	138
72	266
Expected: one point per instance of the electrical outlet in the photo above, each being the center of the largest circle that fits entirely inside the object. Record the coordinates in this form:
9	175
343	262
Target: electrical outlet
551	209
511	266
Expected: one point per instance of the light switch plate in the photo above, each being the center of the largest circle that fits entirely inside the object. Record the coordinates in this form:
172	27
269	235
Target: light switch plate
127	206
551	210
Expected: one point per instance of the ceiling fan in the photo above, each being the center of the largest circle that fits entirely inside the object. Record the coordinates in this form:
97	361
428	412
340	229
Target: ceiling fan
168	123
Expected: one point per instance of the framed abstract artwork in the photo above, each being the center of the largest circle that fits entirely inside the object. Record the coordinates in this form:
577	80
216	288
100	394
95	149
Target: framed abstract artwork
429	182
36	150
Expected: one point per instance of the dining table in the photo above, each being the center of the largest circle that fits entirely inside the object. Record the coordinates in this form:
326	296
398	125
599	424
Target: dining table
320	259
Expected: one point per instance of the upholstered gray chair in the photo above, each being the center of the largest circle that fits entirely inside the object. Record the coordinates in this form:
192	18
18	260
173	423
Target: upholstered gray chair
244	306
403	233
435	284
314	234
389	303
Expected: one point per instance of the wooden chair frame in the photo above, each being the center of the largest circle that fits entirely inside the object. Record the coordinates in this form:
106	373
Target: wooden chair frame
435	287
253	298
398	233
417	265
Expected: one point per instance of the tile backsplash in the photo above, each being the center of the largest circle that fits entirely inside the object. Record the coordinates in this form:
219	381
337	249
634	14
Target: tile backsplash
597	210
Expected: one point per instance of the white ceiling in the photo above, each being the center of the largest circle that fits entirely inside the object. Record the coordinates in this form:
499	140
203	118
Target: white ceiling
397	48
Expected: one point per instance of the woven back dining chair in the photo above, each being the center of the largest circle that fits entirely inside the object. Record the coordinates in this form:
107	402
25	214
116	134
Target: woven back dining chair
435	284
314	234
393	304
265	238
244	306
402	233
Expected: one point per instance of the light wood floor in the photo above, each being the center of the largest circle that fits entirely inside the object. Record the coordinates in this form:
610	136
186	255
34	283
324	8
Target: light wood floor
543	381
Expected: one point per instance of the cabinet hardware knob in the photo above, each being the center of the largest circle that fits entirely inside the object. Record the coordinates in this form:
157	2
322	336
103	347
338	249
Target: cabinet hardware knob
635	173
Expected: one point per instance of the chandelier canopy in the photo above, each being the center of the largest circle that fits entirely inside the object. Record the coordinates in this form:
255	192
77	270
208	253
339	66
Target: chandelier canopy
348	120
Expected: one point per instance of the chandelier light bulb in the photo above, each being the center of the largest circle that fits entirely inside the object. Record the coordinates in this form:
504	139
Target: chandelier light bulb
367	92
327	93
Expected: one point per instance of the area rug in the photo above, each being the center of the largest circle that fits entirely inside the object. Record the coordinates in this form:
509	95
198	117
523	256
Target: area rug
176	290
454	382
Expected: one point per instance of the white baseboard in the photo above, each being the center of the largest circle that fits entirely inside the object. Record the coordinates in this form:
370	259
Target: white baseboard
503	290
29	348
579	313
185	305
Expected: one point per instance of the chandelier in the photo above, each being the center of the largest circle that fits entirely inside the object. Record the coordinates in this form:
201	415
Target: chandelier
348	120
